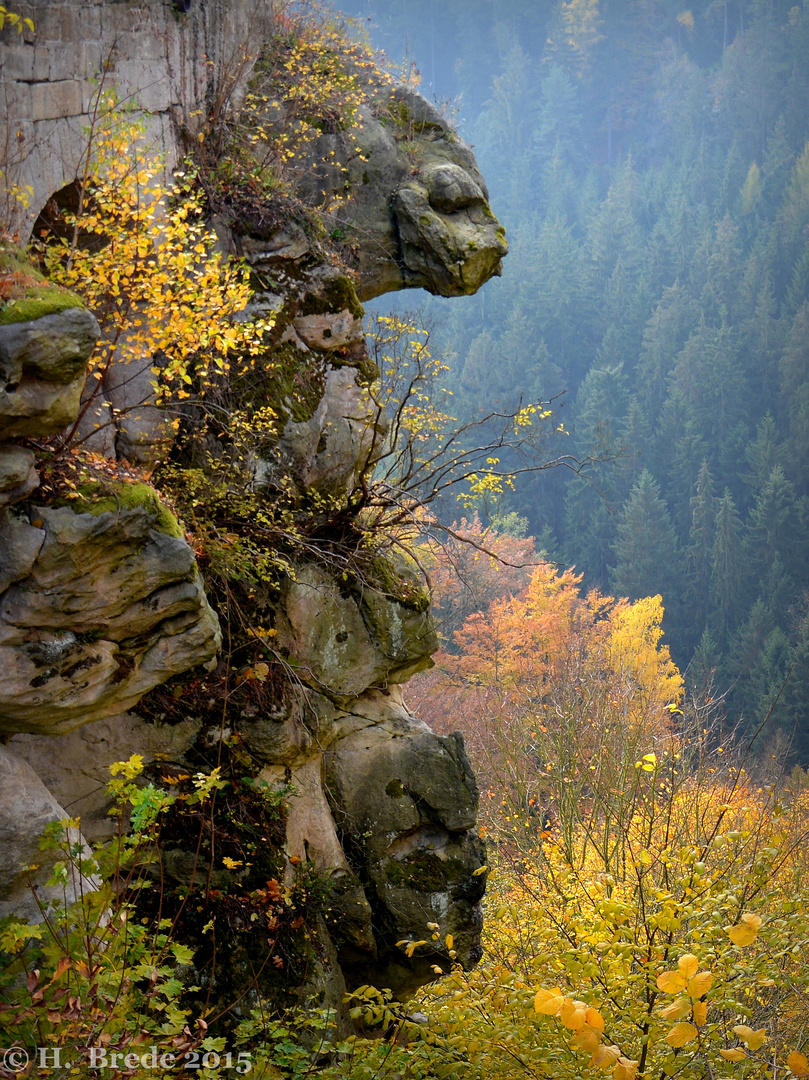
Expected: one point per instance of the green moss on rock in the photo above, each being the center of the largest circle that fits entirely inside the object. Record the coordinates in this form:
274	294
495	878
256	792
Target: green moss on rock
97	498
295	385
28	294
36	302
400	579
422	871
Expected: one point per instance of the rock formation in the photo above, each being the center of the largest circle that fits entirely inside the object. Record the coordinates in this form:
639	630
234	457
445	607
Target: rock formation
101	599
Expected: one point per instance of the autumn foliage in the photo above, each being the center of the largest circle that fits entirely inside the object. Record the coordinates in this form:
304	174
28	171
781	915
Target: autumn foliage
548	679
646	914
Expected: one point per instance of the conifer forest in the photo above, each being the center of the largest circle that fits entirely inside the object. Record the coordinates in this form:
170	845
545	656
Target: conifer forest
651	166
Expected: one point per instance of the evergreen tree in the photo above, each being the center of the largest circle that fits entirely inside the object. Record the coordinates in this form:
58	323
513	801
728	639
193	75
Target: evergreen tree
763	453
701	539
728	568
794	370
664	336
773	525
645	549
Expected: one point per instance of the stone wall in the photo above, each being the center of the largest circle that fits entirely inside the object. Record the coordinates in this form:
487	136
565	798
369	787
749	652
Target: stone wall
171	66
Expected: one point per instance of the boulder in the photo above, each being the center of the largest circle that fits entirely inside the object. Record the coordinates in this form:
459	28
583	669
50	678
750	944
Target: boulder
18	476
131	612
43	365
327	451
346	639
405	803
411	198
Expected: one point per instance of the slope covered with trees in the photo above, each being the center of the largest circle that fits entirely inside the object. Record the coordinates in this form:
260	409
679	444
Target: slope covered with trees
651	164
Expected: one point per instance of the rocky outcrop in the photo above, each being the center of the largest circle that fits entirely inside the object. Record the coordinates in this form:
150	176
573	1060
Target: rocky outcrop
43	365
101	600
95	608
131	612
405	804
412	199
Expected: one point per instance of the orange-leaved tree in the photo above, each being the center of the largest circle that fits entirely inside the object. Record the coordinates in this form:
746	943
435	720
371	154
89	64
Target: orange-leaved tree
647	915
558	693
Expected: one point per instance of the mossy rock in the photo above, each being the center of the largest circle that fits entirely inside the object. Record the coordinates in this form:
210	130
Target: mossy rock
337	294
295	385
401	580
95	497
27	295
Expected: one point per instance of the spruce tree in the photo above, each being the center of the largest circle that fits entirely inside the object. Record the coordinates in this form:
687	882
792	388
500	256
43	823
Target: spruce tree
645	550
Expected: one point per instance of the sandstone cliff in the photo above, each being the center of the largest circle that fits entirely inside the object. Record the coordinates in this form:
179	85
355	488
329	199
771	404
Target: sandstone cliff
101	598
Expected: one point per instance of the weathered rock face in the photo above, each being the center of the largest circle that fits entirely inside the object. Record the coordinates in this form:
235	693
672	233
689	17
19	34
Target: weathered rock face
96	609
405	804
348	640
131	612
412	199
43	366
22	865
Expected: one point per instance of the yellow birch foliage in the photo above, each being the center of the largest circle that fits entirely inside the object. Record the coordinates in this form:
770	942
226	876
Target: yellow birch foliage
627	964
149	269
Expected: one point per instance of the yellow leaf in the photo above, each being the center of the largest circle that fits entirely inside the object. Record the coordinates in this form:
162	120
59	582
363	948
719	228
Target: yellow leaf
670	982
745	931
573	1014
548	1002
798	1063
625	1069
677	1010
736	1054
754	1039
587	1039
681	1034
700	1012
605	1057
741	935
688	965
700	984
595	1019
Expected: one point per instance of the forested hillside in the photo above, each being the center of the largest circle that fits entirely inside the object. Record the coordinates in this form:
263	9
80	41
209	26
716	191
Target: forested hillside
651	165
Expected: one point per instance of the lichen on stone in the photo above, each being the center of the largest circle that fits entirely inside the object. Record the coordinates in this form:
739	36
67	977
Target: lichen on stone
338	294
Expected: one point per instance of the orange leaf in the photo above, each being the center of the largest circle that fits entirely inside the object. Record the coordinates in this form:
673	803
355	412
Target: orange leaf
573	1014
677	1010
700	984
605	1057
548	1002
688	965
745	931
754	1039
798	1063
587	1039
